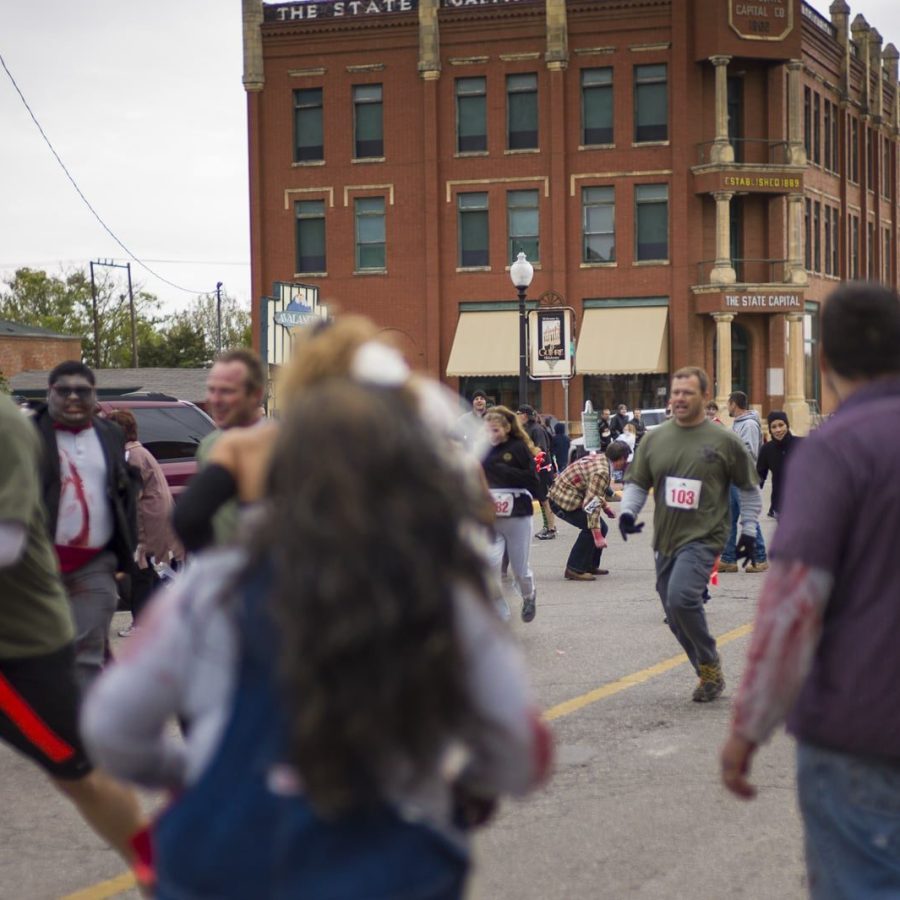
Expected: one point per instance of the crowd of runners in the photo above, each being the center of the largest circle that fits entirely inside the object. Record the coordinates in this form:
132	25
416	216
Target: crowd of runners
350	704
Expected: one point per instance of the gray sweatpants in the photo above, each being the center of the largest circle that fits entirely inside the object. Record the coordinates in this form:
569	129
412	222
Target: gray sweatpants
93	598
516	532
680	580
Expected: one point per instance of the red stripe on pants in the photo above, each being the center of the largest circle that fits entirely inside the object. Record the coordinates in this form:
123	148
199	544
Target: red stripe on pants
31	724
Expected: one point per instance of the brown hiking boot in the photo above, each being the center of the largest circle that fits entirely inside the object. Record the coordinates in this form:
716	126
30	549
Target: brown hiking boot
712	683
572	575
727	567
758	567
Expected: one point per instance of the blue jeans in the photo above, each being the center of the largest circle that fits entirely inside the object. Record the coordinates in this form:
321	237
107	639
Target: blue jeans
584	556
729	554
851	814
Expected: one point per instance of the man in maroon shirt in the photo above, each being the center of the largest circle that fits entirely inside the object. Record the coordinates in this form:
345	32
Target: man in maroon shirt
824	653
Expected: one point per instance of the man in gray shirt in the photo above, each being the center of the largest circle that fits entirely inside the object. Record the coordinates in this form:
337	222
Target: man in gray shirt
747	427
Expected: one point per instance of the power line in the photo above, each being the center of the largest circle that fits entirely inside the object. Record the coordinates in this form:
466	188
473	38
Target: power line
185	262
87	203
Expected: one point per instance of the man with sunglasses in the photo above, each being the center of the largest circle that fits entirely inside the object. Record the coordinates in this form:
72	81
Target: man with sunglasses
90	500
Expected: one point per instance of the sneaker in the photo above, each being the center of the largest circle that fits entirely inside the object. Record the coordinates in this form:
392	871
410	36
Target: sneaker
756	567
546	534
727	567
529	608
711	685
572	575
129	631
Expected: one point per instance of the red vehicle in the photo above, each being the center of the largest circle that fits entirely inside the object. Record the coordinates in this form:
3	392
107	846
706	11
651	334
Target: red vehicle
169	428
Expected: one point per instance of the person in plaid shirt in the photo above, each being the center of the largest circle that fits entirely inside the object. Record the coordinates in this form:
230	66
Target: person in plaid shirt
578	496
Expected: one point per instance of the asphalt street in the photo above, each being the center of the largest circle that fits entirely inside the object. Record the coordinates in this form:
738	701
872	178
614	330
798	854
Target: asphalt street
634	808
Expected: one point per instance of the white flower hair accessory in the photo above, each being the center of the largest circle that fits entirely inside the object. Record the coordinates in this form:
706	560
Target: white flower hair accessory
376	363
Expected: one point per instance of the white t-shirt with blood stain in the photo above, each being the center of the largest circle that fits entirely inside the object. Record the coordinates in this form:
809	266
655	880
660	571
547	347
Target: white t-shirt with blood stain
85	513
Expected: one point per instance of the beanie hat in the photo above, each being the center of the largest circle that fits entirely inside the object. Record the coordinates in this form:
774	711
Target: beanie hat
479	393
777	415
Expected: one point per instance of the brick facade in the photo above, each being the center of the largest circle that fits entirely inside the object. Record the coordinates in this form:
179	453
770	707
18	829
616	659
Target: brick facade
416	55
25	353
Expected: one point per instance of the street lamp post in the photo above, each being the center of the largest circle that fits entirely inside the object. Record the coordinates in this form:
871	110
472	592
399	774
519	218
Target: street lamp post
521	272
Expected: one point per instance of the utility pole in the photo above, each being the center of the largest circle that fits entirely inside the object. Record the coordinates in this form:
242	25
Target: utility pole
134	348
218	317
134	352
96	323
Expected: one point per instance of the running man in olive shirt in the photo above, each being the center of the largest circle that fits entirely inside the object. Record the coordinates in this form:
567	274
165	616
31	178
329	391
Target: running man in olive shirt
38	694
689	462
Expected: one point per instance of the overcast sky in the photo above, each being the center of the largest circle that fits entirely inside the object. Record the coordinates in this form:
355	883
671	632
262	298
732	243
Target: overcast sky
145	106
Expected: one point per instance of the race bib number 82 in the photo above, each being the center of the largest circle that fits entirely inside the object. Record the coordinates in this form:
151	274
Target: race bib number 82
683	493
503	503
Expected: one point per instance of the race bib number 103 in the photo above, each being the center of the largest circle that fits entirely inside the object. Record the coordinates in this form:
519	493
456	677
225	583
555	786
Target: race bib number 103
683	493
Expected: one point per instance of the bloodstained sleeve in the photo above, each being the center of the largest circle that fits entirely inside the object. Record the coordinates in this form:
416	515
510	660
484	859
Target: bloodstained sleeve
785	636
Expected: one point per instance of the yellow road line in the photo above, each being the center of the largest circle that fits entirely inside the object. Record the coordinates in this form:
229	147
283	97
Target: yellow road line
104	889
126	881
616	687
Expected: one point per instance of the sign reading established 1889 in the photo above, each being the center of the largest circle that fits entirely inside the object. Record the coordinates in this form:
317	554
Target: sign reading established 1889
761	20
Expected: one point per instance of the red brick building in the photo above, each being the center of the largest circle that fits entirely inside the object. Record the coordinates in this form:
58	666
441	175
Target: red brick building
27	347
691	176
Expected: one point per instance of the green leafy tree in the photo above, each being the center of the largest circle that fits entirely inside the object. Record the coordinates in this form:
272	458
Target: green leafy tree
188	338
185	339
181	344
66	305
32	297
235	321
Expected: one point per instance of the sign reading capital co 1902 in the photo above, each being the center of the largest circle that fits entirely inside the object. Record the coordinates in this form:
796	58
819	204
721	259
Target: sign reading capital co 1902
761	20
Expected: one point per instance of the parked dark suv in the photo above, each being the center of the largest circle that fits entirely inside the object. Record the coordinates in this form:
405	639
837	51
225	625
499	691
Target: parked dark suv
169	428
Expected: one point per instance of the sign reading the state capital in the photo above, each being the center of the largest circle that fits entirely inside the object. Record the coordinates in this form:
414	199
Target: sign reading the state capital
720	300
746	302
761	20
336	9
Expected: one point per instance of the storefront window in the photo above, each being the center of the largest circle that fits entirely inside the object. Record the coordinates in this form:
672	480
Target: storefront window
502	391
650	391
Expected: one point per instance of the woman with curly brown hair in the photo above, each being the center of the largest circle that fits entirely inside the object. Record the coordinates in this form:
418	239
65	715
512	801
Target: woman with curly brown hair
512	477
367	706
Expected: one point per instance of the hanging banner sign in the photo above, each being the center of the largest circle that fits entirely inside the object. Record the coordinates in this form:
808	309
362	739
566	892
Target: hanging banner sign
336	9
550	344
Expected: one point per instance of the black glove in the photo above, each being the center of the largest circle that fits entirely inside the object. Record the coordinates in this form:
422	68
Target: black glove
746	549
627	525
